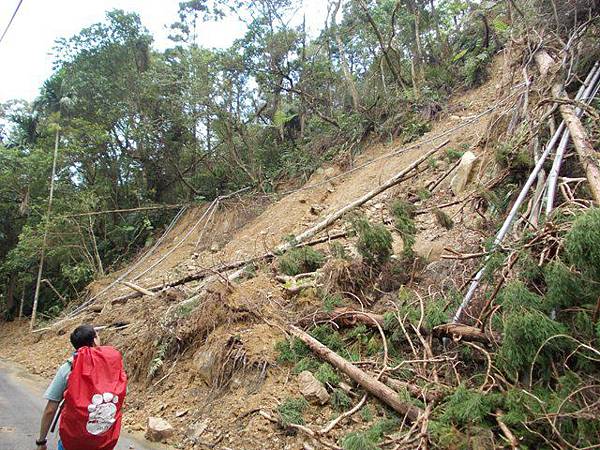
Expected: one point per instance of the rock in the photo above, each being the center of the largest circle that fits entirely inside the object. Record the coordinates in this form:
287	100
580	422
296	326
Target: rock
214	248
203	363
327	173
463	172
312	389
181	413
158	429
315	210
196	430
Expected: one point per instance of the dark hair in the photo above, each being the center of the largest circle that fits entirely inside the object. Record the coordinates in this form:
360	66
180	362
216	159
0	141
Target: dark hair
83	336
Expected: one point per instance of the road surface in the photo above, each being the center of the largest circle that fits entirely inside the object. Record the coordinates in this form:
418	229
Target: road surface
21	406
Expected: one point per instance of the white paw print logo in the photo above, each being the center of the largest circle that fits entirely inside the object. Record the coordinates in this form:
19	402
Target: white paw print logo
103	410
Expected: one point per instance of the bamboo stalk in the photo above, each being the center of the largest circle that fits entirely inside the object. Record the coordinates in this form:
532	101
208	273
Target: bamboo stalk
585	93
508	221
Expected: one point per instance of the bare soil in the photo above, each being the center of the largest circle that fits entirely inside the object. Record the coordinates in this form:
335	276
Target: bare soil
238	325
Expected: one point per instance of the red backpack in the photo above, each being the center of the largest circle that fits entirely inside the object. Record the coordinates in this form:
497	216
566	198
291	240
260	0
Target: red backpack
93	400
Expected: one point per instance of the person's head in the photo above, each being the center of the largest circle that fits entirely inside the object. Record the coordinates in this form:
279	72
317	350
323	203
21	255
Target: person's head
84	336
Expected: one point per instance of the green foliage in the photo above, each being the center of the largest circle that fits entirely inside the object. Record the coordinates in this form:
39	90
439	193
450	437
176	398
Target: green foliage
340	400
158	359
291	411
300	260
366	414
291	350
337	250
307	363
332	301
368	440
453	155
186	308
327	375
582	244
468	407
524	333
329	337
515	295
404	224
565	287
374	241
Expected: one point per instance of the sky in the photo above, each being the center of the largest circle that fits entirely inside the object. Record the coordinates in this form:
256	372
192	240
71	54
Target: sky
25	51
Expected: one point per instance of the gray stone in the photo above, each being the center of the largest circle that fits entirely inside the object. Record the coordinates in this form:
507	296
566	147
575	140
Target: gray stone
203	363
463	173
312	389
158	429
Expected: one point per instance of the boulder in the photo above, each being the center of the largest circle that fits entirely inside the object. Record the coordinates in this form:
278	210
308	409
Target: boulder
463	172
203	363
312	389
158	430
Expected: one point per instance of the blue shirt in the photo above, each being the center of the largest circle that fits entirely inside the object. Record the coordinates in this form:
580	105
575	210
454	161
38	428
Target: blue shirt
57	387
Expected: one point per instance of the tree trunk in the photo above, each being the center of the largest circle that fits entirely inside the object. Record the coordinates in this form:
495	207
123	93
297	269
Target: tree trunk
382	46
11	304
45	239
366	381
343	60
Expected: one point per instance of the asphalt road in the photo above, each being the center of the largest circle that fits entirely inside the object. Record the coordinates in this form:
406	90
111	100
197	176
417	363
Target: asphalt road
21	406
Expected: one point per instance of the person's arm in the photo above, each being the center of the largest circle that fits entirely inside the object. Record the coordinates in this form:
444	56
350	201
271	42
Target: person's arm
47	417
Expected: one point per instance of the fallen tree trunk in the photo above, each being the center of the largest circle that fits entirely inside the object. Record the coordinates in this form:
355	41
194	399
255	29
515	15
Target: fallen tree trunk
399	177
416	391
366	381
343	317
465	332
196	276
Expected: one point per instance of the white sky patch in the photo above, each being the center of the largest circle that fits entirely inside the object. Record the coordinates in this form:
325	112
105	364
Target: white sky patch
25	51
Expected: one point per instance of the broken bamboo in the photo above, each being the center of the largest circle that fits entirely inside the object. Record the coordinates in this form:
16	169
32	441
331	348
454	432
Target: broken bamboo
586	94
581	142
369	383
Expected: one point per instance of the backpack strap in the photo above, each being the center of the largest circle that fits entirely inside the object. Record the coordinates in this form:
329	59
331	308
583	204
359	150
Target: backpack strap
57	415
62	402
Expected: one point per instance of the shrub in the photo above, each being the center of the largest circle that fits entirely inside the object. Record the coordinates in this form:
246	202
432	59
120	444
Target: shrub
404	224
566	288
300	260
582	244
368	440
327	375
340	400
291	411
374	242
468	407
524	333
454	155
516	295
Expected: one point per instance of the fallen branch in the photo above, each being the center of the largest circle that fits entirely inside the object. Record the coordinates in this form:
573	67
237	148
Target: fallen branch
369	383
333	217
139	289
305	430
342	317
465	332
